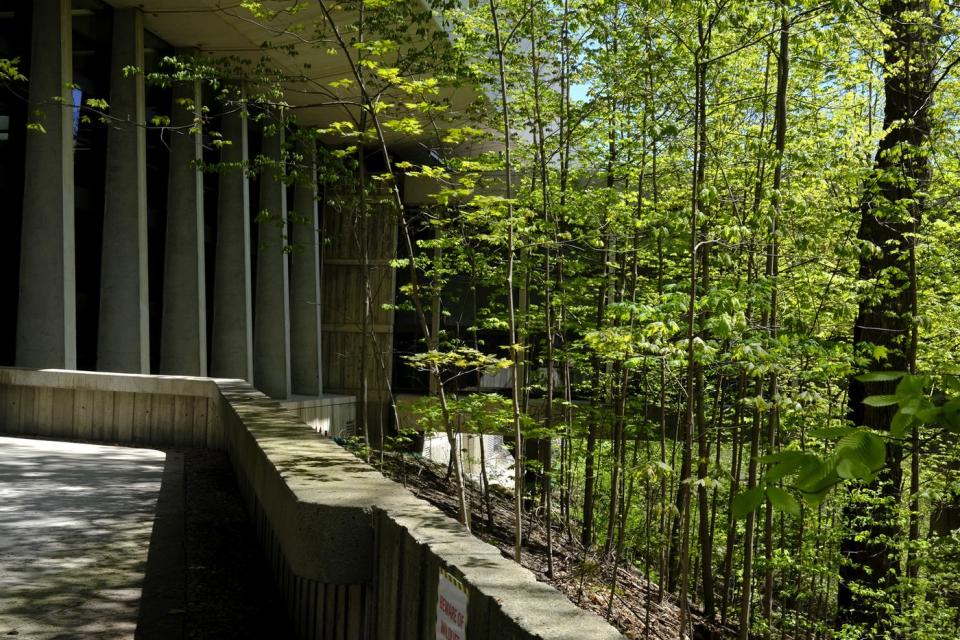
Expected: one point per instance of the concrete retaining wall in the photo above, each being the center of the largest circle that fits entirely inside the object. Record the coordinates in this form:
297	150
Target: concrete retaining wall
329	415
111	408
355	555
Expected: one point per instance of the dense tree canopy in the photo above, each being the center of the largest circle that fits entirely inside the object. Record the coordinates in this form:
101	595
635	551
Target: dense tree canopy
727	229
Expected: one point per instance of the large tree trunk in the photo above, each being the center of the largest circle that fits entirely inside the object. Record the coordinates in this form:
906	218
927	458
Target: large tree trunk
890	210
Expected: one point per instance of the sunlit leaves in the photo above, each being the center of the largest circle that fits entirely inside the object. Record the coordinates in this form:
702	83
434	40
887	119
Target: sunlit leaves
405	126
9	70
460	357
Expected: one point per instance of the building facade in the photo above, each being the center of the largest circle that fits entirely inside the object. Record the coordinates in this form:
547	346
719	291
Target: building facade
121	253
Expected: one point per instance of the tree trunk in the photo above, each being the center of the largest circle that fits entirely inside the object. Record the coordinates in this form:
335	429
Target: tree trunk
773	272
693	373
890	210
515	356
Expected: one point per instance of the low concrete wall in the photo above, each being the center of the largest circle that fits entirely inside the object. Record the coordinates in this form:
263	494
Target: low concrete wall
355	555
329	415
113	408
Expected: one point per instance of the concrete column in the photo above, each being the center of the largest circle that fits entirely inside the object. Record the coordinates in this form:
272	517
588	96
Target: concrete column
123	337
271	337
232	348
183	337
46	314
305	281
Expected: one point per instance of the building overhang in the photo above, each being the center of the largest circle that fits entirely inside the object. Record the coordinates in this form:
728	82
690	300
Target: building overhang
297	41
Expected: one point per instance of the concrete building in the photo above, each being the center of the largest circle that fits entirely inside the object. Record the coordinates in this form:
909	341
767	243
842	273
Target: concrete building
120	254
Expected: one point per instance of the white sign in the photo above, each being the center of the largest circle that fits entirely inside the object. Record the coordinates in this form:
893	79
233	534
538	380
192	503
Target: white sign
451	608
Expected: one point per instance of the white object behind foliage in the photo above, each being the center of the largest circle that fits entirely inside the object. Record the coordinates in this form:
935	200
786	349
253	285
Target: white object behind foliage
497	457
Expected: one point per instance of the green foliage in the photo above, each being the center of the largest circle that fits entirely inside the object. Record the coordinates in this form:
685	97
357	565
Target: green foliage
9	70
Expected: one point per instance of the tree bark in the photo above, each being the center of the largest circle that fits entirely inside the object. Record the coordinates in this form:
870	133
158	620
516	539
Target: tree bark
773	272
891	208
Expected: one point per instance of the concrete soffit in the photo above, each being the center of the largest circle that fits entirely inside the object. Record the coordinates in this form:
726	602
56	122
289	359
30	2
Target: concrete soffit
220	28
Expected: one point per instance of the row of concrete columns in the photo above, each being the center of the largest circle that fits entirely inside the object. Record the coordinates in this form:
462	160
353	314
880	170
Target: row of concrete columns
246	342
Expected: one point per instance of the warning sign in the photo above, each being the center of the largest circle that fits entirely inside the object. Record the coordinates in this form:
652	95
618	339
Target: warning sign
451	608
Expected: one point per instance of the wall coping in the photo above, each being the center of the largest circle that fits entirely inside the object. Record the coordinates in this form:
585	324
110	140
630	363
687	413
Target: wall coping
119	382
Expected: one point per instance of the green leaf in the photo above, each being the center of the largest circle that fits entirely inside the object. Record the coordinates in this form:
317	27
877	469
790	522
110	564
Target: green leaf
881	376
950	414
830	432
781	456
875	451
850	469
864	448
782	470
952	382
816	497
880	401
747	502
816	478
783	500
911	386
911	407
900	423
788	465
97	103
929	415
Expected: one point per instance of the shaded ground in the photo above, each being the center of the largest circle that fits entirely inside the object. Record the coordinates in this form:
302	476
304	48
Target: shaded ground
112	542
636	607
230	591
75	523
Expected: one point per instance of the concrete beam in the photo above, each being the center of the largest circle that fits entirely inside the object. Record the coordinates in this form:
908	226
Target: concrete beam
46	314
123	338
232	348
183	338
305	281
271	335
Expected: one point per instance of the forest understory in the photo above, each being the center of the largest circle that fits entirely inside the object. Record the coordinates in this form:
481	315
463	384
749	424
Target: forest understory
639	610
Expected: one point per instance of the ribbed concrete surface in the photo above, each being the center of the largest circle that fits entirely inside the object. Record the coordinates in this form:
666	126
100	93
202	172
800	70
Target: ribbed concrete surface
75	526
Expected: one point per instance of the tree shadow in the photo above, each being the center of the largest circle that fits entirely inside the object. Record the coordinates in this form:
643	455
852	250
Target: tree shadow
75	523
102	542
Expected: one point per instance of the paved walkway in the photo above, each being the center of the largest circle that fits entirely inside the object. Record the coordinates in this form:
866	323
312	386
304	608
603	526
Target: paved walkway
104	543
75	527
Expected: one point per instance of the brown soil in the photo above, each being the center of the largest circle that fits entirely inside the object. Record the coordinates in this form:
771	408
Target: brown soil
637	610
229	590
